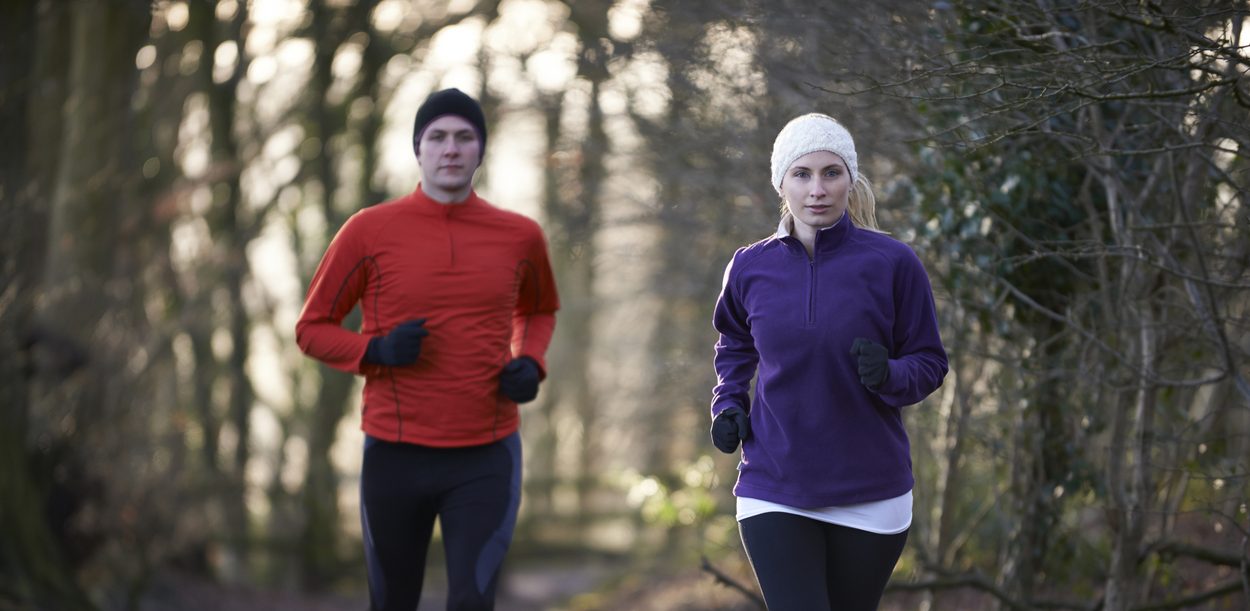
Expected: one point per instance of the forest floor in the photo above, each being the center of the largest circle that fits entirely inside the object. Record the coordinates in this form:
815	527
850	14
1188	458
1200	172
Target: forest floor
594	585
589	587
591	584
549	579
536	588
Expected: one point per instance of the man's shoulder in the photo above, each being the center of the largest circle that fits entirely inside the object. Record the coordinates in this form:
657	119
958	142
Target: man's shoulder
512	220
378	213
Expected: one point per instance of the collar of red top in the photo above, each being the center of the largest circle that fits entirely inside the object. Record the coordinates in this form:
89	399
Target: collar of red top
427	203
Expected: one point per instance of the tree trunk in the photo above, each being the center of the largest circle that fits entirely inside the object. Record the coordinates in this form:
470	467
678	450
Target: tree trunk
574	256
956	410
320	536
1040	465
541	456
84	179
33	573
231	234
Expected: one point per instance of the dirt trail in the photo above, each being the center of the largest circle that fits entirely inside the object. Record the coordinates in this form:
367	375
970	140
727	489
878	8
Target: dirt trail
537	588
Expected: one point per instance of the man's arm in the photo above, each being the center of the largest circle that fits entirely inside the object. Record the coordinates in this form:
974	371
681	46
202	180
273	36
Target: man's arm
336	287
534	320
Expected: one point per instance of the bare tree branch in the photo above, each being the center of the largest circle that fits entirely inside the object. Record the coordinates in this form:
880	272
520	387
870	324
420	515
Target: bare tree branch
1220	591
1198	552
731	583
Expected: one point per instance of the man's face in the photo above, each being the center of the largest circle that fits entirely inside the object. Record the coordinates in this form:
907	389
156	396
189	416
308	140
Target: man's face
448	154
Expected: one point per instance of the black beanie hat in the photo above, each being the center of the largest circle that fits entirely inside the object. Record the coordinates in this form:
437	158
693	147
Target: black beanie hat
449	102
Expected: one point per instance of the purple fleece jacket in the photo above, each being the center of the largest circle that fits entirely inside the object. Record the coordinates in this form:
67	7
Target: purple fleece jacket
819	438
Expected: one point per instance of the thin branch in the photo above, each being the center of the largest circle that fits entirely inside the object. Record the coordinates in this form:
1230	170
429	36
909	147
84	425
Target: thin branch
1230	54
977	581
1206	307
1198	552
1132	254
972	580
731	583
1094	339
1220	591
1146	95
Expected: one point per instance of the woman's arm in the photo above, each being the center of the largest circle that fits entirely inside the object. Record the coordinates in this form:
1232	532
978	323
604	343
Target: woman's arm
736	358
917	359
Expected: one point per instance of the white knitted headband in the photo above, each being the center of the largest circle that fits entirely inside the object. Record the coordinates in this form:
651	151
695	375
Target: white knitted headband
807	134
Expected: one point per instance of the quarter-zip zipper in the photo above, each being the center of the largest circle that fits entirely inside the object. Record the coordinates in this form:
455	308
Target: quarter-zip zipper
451	244
811	291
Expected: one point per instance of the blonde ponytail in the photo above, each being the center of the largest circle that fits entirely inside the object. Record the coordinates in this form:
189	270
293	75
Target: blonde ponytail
863	204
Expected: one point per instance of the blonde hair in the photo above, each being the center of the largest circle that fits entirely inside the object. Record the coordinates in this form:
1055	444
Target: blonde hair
861	206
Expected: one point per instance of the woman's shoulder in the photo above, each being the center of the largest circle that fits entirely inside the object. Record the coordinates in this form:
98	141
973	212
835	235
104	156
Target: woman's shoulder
891	253
755	250
885	244
747	256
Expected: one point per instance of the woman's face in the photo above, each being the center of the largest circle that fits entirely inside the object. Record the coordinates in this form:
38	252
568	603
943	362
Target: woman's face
817	189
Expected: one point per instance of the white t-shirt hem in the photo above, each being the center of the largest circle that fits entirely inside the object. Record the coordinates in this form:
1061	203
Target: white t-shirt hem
885	517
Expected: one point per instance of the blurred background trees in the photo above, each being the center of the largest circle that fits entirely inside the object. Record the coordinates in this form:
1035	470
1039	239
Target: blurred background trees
1073	173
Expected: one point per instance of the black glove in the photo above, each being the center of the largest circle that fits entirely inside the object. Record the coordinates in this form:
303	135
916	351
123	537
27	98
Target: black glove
400	347
519	379
729	427
874	368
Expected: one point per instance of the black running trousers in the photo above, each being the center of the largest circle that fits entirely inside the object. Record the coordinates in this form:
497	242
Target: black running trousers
474	492
804	564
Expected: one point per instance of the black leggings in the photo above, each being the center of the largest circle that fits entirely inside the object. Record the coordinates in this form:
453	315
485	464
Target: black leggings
474	492
808	565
